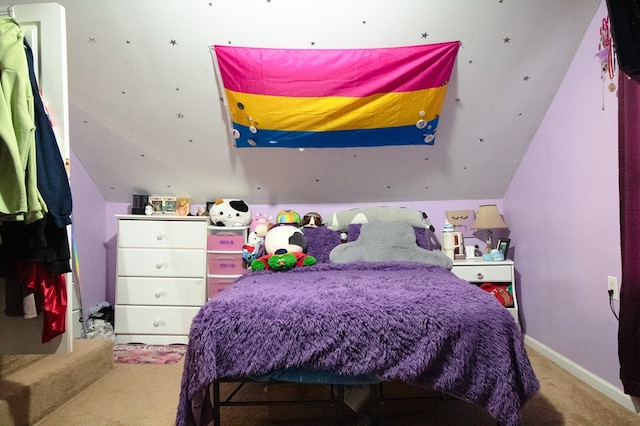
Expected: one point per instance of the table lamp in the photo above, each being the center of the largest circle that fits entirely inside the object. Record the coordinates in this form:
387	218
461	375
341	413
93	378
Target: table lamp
488	219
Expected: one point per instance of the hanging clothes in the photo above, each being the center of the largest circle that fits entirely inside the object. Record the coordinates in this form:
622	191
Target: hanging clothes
53	182
19	195
34	248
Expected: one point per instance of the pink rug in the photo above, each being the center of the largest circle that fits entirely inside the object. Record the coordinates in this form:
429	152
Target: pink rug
148	354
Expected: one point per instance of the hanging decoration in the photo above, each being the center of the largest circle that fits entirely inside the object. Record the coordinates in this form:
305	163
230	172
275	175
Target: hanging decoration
334	98
607	56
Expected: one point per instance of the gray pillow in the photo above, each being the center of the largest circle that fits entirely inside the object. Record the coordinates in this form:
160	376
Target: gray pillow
387	242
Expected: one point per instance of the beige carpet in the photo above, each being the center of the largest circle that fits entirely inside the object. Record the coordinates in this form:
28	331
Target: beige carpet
148	395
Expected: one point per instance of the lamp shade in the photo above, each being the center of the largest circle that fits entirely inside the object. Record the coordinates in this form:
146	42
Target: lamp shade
489	217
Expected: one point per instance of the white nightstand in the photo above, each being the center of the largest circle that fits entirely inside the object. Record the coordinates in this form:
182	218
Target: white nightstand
479	271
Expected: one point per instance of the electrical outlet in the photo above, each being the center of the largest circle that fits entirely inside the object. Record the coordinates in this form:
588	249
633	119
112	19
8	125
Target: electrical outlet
612	284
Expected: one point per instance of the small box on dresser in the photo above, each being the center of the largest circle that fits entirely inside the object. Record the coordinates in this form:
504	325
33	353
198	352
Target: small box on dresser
224	256
161	277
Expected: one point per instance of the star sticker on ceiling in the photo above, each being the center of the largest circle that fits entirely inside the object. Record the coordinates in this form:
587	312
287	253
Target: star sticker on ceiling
180	115
425	35
526	78
173	42
506	40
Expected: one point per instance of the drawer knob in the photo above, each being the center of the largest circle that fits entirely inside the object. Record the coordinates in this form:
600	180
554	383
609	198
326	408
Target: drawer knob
160	236
161	265
159	322
479	275
159	293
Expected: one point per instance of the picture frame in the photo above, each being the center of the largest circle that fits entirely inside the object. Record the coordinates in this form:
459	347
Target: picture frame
503	246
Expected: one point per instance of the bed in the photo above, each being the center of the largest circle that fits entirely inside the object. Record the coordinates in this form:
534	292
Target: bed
369	319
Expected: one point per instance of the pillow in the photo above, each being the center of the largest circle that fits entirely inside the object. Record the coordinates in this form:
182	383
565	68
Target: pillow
387	242
340	221
422	238
320	242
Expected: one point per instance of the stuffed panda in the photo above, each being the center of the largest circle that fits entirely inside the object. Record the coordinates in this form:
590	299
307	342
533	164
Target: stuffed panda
288	244
229	212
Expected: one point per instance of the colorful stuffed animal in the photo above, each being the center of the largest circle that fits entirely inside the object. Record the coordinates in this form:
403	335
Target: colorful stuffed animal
289	217
229	212
260	223
279	241
312	220
254	248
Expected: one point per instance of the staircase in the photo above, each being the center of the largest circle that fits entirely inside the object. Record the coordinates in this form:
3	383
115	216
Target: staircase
32	386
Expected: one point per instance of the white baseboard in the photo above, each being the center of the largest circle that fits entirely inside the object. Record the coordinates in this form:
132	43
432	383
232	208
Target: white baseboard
585	375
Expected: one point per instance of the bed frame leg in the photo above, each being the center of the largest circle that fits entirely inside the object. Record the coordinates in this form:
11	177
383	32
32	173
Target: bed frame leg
216	403
373	403
340	404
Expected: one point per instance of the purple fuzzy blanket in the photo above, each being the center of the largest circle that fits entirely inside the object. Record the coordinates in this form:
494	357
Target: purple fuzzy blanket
397	321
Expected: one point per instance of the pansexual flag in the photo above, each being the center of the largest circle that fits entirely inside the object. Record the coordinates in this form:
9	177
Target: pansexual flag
334	98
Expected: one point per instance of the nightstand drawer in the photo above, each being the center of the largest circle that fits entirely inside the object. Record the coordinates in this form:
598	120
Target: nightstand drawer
162	234
161	263
483	273
154	319
160	291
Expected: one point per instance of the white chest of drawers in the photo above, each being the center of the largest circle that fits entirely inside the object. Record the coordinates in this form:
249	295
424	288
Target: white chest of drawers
161	277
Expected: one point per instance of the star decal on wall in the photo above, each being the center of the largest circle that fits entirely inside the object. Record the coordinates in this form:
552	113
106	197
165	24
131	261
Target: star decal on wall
425	35
173	42
506	40
92	40
526	78
180	115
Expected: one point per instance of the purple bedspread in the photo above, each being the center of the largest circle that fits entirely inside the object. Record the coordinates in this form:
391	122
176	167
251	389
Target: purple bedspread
398	321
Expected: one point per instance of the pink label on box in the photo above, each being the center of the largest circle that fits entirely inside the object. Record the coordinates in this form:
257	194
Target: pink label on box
226	265
225	242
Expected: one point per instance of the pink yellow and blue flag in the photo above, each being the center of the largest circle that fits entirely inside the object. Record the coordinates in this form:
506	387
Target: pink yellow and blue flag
334	98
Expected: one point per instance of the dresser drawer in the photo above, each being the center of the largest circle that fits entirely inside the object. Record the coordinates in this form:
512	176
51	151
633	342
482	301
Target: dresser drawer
162	234
160	291
161	263
481	273
154	319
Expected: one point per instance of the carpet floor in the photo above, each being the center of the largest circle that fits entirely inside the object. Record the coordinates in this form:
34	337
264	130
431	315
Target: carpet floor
139	394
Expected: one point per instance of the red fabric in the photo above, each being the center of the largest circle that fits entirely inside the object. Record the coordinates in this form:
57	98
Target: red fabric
51	289
629	182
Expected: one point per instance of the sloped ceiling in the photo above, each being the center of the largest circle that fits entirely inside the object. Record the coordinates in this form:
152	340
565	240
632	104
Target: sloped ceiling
146	115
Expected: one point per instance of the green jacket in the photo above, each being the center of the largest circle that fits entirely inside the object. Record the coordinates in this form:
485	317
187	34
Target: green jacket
19	195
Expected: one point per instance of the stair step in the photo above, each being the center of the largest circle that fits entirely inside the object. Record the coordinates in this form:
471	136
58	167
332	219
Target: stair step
12	363
29	394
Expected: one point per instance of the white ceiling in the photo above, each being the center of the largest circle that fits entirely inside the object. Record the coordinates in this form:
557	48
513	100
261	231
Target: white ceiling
146	116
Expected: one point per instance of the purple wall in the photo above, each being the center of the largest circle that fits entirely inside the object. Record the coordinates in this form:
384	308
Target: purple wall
89	213
562	208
